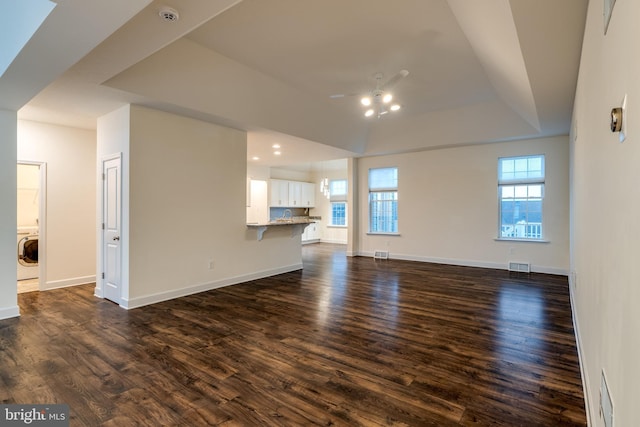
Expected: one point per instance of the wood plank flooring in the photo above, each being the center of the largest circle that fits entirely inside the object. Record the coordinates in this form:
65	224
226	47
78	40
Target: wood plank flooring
344	342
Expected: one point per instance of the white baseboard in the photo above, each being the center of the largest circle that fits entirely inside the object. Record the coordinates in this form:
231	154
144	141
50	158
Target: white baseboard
74	281
336	242
468	263
183	292
581	357
9	312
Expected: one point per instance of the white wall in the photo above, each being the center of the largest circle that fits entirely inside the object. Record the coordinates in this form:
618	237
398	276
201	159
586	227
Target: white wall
113	138
70	226
605	206
187	207
8	260
448	207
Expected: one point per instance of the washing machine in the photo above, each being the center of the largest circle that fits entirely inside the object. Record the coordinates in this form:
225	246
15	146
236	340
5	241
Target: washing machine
27	253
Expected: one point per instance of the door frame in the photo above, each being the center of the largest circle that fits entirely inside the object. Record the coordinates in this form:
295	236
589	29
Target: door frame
100	279
42	221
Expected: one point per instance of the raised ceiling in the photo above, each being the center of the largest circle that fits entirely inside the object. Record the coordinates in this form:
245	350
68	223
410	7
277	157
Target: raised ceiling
479	71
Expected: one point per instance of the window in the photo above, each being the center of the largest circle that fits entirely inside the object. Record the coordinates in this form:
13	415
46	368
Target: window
338	198
520	193
383	200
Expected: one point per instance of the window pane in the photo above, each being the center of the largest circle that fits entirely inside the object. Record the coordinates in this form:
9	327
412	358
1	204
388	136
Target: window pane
338	187
521	191
526	168
521	211
383	212
338	213
507	191
535	191
383	178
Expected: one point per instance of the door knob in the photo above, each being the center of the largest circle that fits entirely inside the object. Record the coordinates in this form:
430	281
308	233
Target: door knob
116	238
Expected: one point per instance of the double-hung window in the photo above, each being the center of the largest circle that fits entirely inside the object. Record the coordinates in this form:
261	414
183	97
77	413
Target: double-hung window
383	200
338	198
521	193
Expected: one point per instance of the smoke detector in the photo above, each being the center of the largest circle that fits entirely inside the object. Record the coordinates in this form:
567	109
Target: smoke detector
168	14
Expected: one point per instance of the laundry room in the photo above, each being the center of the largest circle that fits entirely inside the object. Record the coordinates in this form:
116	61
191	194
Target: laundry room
56	206
28	203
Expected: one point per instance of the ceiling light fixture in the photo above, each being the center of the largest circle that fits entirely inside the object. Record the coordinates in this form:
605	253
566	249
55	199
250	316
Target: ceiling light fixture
277	153
275	146
378	100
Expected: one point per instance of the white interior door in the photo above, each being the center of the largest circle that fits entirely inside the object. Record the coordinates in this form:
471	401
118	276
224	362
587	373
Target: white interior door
111	227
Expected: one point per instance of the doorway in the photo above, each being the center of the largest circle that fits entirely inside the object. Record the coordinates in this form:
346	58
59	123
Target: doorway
31	225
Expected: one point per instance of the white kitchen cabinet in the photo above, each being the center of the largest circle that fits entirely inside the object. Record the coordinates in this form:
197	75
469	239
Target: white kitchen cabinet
257	211
295	194
308	195
291	194
279	193
311	233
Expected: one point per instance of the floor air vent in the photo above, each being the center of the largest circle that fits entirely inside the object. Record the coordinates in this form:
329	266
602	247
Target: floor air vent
521	267
381	255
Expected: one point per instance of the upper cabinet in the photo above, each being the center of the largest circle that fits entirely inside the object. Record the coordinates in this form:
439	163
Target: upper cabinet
308	195
291	194
279	196
295	194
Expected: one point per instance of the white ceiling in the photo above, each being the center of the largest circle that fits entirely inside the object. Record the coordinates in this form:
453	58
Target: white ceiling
479	71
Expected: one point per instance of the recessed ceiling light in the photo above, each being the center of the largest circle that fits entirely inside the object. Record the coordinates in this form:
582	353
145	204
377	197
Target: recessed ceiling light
255	158
275	146
277	153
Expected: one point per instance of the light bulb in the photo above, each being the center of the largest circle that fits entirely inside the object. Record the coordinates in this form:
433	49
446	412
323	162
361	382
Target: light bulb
369	112
387	98
366	101
395	107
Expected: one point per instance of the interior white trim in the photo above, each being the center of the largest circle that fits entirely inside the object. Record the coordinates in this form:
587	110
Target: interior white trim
64	283
9	312
42	220
168	295
581	353
334	241
467	263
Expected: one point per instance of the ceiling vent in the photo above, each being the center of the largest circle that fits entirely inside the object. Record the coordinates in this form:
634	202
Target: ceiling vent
169	15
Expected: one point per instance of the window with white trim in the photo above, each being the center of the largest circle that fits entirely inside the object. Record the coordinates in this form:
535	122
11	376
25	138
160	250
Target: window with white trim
338	199
383	200
521	194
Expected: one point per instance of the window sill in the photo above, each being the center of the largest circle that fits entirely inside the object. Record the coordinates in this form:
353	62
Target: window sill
515	239
336	226
380	233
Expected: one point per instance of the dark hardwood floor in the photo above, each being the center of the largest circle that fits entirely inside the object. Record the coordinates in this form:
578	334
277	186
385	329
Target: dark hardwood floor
346	341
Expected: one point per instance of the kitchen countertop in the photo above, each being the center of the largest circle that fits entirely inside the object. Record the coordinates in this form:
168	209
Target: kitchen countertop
296	221
283	222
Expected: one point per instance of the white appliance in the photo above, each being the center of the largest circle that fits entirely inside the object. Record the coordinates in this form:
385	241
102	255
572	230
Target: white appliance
27	250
